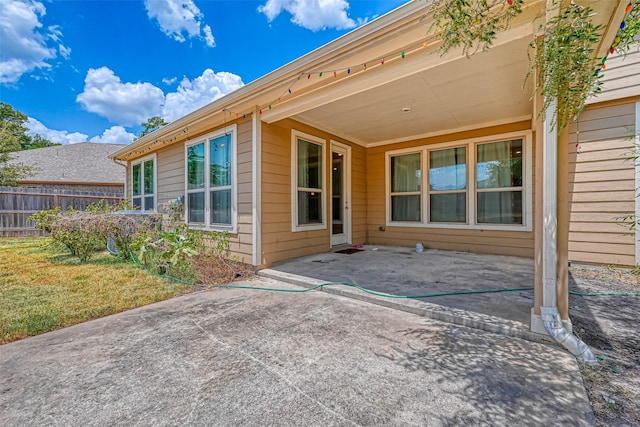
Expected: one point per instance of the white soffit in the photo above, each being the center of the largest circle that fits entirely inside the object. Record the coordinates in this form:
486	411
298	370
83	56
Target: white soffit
486	88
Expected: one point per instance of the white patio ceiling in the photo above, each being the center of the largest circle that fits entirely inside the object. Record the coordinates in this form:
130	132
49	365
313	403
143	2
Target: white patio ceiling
460	94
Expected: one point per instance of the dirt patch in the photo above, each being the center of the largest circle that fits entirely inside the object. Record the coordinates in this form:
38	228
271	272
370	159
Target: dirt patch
610	325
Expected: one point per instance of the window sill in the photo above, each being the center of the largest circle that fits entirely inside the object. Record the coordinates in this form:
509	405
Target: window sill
313	227
201	227
482	227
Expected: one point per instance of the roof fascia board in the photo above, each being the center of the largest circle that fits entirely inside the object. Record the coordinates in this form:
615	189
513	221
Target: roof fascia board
612	29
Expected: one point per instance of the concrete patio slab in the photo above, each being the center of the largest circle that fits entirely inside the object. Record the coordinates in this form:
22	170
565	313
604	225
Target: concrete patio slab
248	357
403	271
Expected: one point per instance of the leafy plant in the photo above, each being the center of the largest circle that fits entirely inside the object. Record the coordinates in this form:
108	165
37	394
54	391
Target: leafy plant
179	245
564	63
44	219
471	24
629	29
167	252
174	209
81	232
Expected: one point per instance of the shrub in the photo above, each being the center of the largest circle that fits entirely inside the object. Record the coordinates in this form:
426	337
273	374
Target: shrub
44	219
122	229
81	232
167	252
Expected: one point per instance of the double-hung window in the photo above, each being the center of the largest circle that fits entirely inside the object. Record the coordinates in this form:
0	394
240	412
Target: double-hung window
143	184
481	183
308	182
499	182
406	181
211	186
448	185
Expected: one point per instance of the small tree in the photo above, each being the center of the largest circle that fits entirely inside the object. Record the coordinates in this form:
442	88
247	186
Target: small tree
11	172
150	125
38	141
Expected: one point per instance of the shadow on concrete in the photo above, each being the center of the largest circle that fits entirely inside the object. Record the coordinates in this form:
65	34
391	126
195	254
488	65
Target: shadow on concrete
247	357
403	271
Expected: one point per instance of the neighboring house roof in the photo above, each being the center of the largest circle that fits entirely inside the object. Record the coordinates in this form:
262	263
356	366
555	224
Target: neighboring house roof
86	162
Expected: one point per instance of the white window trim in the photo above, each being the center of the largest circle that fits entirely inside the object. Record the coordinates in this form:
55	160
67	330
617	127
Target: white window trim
295	135
389	193
233	228
426	193
527	176
140	161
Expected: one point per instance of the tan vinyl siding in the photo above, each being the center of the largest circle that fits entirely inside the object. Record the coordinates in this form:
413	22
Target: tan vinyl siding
602	185
621	77
518	243
241	244
171	184
278	241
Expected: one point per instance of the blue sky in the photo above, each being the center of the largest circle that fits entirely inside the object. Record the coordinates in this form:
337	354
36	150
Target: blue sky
94	70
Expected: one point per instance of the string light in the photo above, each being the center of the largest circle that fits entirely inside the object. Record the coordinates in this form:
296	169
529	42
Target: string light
288	91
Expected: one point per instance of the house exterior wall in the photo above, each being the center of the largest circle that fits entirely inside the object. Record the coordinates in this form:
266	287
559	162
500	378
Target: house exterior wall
620	78
279	242
498	242
170	181
602	184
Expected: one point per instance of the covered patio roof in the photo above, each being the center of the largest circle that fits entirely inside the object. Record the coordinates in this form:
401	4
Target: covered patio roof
332	89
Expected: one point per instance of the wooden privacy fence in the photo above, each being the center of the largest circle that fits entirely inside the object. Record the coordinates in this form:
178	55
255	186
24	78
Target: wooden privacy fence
18	203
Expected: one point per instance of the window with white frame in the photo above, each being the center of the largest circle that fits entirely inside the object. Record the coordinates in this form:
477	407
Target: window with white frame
477	184
406	181
308	182
211	181
499	182
448	185
143	184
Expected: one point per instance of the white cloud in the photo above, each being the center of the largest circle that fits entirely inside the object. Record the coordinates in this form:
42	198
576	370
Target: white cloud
122	103
312	14
178	18
170	81
193	94
114	135
129	104
26	45
58	136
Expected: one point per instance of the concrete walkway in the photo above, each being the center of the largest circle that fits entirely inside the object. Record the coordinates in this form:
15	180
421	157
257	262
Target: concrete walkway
241	357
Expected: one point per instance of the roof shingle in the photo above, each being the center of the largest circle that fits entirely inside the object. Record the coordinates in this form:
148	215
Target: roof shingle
86	162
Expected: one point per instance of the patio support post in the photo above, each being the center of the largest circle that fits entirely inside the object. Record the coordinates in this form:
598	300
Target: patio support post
554	196
256	191
549	208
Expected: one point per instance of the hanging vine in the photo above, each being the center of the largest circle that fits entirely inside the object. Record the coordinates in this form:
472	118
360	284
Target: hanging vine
565	62
563	59
471	24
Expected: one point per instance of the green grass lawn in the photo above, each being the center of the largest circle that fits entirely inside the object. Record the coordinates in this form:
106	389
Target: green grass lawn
43	288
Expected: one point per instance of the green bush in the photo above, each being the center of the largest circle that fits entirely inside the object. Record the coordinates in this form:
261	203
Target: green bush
167	252
81	232
44	219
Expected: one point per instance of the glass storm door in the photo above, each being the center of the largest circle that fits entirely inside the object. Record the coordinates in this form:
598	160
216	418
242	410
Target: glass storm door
340	194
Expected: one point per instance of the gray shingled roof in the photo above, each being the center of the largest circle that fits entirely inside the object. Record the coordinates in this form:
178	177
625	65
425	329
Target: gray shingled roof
83	162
